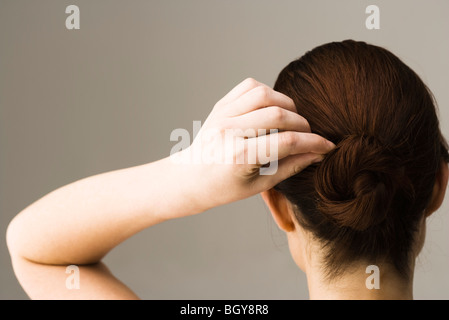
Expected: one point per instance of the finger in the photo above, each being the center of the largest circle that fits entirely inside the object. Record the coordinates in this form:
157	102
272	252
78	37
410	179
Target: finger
276	146
240	89
288	167
257	98
268	118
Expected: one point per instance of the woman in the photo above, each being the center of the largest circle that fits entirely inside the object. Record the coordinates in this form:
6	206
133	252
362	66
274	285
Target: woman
354	183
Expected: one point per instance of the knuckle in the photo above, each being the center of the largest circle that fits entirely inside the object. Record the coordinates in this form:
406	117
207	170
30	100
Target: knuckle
289	139
262	93
251	82
277	114
297	169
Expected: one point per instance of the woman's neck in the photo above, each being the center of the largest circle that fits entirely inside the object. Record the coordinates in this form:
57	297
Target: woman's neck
356	284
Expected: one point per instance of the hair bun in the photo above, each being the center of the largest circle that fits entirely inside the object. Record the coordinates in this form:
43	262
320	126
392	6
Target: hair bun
357	181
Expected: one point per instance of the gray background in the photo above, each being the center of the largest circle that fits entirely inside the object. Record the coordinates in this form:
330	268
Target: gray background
107	96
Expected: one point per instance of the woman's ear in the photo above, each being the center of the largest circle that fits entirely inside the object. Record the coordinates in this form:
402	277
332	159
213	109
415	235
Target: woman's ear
439	188
278	205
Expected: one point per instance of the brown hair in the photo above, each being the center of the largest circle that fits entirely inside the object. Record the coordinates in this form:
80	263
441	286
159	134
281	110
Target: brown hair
364	201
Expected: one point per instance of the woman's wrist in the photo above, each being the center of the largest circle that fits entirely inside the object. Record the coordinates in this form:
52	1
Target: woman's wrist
182	192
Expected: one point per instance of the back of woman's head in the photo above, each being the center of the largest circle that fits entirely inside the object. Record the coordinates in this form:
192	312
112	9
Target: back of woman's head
365	200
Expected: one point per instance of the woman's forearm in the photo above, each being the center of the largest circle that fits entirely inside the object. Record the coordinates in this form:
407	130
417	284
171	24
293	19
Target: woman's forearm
80	222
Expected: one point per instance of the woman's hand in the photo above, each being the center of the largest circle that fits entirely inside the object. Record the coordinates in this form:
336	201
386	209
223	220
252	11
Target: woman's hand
228	158
81	222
